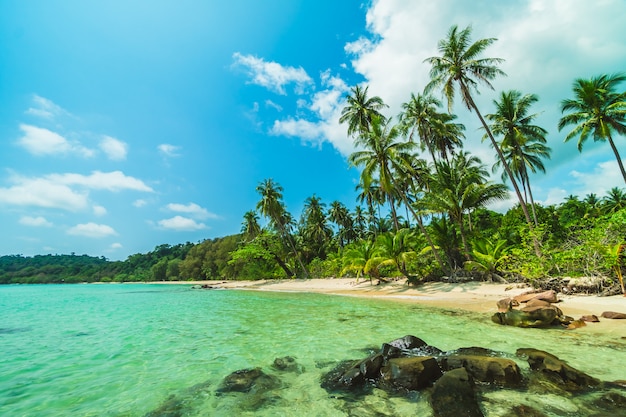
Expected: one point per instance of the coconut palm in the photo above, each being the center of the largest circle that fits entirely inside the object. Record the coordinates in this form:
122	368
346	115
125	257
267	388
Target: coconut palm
360	111
460	64
459	187
397	249
435	130
598	110
340	215
272	207
382	154
250	228
615	255
523	143
314	229
362	258
614	201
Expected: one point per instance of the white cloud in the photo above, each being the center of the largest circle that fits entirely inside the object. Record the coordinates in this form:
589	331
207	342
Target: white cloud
603	177
272	75
181	224
40	141
45	108
66	191
114	149
38	221
99	210
42	192
193	210
92	230
116	245
139	203
168	150
97	180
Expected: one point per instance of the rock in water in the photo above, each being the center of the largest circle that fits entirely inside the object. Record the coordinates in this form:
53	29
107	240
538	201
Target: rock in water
500	371
411	373
453	395
246	380
558	371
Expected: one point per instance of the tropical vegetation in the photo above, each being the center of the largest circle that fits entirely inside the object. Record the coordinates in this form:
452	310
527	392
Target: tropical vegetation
422	210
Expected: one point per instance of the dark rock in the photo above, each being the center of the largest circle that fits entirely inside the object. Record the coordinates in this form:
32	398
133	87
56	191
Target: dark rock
246	380
370	366
410	373
287	364
474	350
453	395
489	369
557	370
524	410
613	315
408	342
346	376
611	401
388	351
533	317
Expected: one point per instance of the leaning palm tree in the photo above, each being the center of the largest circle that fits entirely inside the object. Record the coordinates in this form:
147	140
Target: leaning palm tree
272	207
360	111
597	110
250	228
460	64
523	143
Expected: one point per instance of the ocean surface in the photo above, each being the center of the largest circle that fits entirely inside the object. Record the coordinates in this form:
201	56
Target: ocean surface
163	350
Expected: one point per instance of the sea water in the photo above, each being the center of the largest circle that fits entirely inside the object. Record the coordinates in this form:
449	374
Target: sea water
140	349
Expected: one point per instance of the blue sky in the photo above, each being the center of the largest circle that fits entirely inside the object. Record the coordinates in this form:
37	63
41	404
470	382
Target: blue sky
125	125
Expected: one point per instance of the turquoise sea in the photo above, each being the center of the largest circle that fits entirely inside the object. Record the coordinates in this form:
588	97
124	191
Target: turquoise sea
128	349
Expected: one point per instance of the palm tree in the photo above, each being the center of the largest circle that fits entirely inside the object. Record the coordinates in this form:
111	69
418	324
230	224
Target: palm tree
362	258
315	231
435	130
250	227
382	154
360	111
272	207
397	249
460	64
523	143
459	187
614	201
340	215
597	110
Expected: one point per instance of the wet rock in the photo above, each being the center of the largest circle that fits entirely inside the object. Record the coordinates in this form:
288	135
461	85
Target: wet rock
532	317
346	376
370	366
410	374
613	315
453	395
557	370
488	369
407	342
287	364
524	410
172	407
506	304
576	324
246	380
611	401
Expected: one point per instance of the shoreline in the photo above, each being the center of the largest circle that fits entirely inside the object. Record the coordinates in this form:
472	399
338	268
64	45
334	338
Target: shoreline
471	296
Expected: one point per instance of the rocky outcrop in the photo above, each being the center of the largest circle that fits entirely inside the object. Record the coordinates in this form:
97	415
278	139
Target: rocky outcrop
613	315
538	310
410	374
557	371
489	369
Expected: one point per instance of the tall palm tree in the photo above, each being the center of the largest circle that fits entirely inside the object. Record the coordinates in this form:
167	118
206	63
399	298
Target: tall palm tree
315	230
396	249
523	143
382	154
339	214
460	63
360	110
597	110
272	207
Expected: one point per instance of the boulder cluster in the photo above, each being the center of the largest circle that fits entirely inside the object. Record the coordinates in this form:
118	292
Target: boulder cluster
454	381
538	309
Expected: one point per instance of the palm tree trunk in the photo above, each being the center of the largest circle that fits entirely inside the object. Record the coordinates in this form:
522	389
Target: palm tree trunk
295	251
509	173
464	238
619	160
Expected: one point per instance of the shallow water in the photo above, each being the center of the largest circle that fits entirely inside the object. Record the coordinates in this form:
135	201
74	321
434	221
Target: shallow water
128	349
